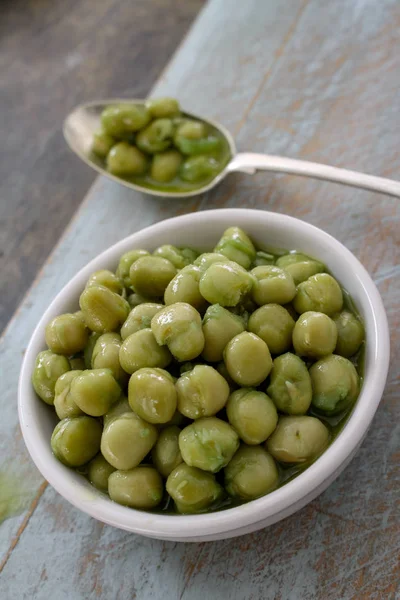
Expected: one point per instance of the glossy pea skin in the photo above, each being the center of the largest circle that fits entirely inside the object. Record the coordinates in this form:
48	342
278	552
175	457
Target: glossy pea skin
320	293
102	143
335	384
165	165
119	408
202	392
142	350
205	260
150	275
121	120
166	454
107	279
63	402
298	439
191	130
199	168
273	324
179	327
272	286
208	444
156	137
236	245
196	147
350	333
88	351
219	327
140	487
140	318
76	441
247	359
48	368
252	414
95	391
180	257
152	395
125	263
300	266
99	470
193	490
251	473
125	160
184	287
160	108
66	334
225	283
314	335
126	440
290	385
103	309
106	356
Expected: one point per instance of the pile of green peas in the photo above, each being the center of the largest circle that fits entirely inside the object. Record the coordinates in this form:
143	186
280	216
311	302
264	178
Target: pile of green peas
156	146
193	382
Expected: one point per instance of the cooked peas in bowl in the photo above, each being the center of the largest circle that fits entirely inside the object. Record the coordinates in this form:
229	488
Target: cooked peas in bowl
230	373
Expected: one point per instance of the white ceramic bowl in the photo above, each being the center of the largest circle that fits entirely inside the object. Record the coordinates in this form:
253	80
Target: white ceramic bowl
202	230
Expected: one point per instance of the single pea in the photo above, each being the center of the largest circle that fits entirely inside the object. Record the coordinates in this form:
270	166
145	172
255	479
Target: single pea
263	258
252	414
103	309
314	335
152	395
165	165
290	385
156	137
125	263
179	327
95	391
236	245
76	441
140	487
88	351
180	257
298	439
142	350
136	299
191	130
63	402
196	147
66	334
300	266
126	440
202	392
77	363
225	284
184	287
48	368
198	168
106	356
121	120
247	359
150	275
350	333
273	324
166	454
99	471
102	143
205	260
335	384
119	408
251	473
140	318
208	444
107	279
219	327
163	107
125	160
193	490
272	285
320	293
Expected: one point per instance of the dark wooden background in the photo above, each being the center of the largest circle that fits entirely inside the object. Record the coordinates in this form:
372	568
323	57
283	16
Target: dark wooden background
55	54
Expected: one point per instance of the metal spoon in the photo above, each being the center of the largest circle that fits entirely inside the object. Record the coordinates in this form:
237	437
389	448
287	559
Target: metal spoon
84	121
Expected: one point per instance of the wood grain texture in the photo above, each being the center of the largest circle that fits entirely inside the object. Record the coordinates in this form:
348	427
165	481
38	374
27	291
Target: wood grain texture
319	82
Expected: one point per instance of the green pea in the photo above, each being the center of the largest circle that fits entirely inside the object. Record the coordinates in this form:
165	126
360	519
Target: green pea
121	120
314	335
77	363
298	439
107	279
179	327
300	266
63	402
350	332
76	441
166	454
48	368
95	391
263	258
225	284
106	356
236	245
290	385
126	440
150	275
320	293
202	392
273	285
180	257
193	490
247	359
252	414
191	130
184	287
125	160
205	260
119	408
140	318
66	334
140	487
136	299
125	263
194	147
273	324
251	473
103	309
163	107
88	351
335	384
208	444
99	471
152	395
219	327
198	168
156	137
142	350
102	143
165	165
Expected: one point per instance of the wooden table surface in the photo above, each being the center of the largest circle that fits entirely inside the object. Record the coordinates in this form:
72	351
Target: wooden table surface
311	79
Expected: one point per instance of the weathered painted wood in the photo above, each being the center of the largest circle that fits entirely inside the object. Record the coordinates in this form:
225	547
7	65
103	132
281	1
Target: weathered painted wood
318	82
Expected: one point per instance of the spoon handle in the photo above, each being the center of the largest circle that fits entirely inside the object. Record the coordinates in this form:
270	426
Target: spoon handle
249	162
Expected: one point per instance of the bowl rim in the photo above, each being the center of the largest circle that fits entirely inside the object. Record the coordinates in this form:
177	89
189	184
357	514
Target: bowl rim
99	506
